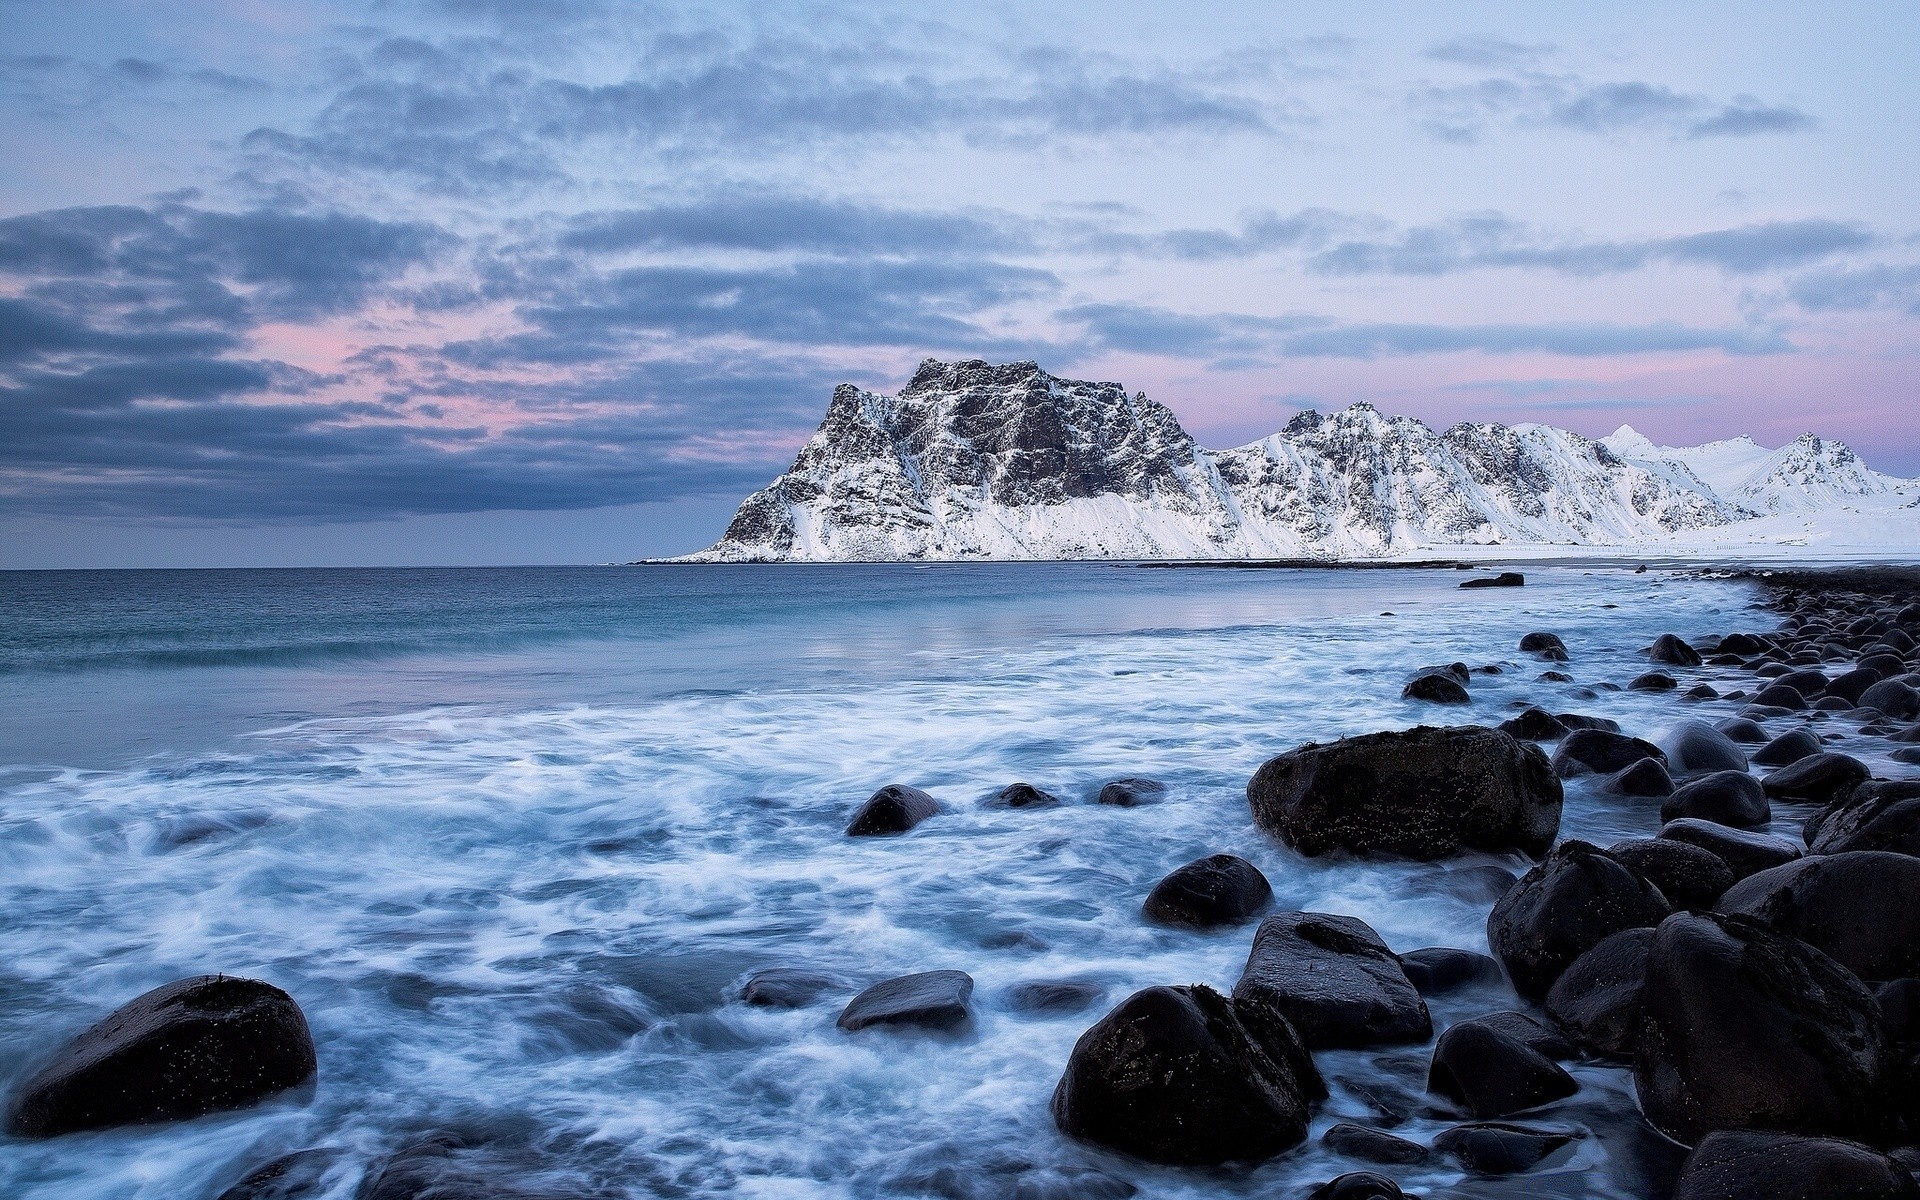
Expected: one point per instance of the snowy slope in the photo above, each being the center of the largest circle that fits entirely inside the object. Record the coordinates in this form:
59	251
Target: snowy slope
977	461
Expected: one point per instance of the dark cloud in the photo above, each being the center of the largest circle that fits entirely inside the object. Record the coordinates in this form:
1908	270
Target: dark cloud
1146	330
802	224
1531	98
1845	290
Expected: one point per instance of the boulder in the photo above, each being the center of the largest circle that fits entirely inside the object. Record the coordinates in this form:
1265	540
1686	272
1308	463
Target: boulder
1562	908
1424	793
1816	779
297	1176
1743	1027
1132	792
1861	908
1744	643
1744	851
787	987
1334	980
1535	725
1359	1185
893	809
1875	815
1437	687
1854	684
1645	779
1582	721
1023	795
1437	970
1054	995
1489	1074
929	1000
1688	876
1744	731
1670	649
1596	1000
1789	747
1653	681
1600	752
1372	1145
1697	747
1173	1075
1746	1163
1499	1148
1780	696
1546	645
1727	797
206	1044
1530	1031
1892	697
1504	579
1222	889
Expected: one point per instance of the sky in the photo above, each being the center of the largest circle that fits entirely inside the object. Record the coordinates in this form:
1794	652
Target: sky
524	281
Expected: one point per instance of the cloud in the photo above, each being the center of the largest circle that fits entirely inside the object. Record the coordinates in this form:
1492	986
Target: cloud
1145	330
1848	290
1536	99
775	223
1490	53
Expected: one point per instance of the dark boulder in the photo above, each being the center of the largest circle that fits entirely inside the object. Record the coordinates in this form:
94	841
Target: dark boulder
1861	908
1530	1031
301	1175
1597	999
1744	643
1600	752
1423	793
1741	730
1698	747
1788	748
1811	683
1876	815
1132	792
1744	851
1054	995
1892	697
930	1000
1555	677
1546	645
1372	1145
1670	649
195	1046
1780	696
787	987
1743	1027
1816	779
1437	970
1562	908
1899	1001
1173	1075
1733	1164
1499	1148
1359	1185
1653	681
1334	980
1535	725
1688	876
1727	797
1504	579
1489	1074
1223	889
1645	779
1582	721
895	808
1854	684
1023	795
1436	687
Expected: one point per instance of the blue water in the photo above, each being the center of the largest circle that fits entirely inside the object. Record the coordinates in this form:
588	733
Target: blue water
513	837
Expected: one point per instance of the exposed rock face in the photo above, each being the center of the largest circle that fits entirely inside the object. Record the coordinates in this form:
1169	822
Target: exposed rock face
1335	981
973	460
1780	1167
1861	907
1423	793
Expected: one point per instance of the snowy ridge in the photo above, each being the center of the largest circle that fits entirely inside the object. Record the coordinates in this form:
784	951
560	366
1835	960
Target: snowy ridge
975	461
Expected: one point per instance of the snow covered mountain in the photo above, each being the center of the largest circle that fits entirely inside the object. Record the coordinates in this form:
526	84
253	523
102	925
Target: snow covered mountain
977	461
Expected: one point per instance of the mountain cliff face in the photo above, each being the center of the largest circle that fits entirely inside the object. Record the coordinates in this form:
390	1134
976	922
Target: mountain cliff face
977	461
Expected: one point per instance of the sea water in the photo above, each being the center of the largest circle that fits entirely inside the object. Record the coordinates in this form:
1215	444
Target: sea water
513	838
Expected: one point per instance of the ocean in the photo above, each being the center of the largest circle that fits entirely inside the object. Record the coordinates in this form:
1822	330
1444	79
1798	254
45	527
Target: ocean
512	839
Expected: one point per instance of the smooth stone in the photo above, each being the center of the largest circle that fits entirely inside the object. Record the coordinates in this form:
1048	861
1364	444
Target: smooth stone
1742	730
787	987
1876	815
1372	1145
1547	645
1499	1148
1788	748
1535	725
1054	995
211	1043
1565	906
1504	579
1671	649
1581	721
1024	795
1359	1185
1596	1000
296	1176
1861	908
1334	980
1437	970
1744	851
1132	792
1697	747
1894	698
1816	779
929	999
1645	779
1653	681
1529	1030
1437	688
1725	797
1489	1074
893	809
1555	677
1854	684
1601	752
1688	876
1222	889
1734	1164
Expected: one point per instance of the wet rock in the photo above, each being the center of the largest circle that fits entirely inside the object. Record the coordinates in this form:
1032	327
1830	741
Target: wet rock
1861	908
1555	677
1132	792
1436	687
1688	876
1645	778
893	809
1697	747
1437	970
1780	696
1173	1075
1581	721
1596	1000
1499	1148
1744	851
1743	643
1546	645
1535	725
1854	684
1670	649
1024	795
1054	995
1744	731
1334	980
1359	1185
1223	889
1600	752
206	1044
1702	691
1743	1027
1816	779
1653	681
295	1176
1564	907
1532	1032
1899	1001
1892	697
1876	815
1372	1145
1423	793
1489	1074
1504	579
1788	748
787	987
1810	683
1777	1166
1727	797
929	1000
